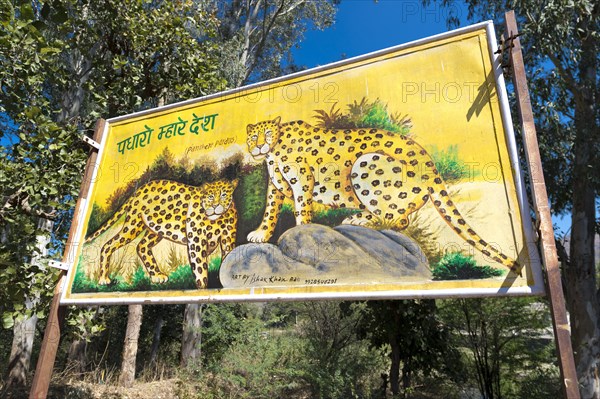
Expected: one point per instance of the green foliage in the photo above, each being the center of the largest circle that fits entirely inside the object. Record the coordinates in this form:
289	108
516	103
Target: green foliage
280	314
180	279
40	159
364	114
98	217
258	35
333	216
449	165
54	84
222	325
262	365
504	343
85	324
417	339
457	266
340	363
250	199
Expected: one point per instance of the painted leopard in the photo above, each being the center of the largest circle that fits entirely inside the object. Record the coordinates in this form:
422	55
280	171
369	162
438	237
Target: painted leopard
202	218
384	175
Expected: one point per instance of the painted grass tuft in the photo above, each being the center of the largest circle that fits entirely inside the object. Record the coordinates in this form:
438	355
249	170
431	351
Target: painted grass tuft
457	266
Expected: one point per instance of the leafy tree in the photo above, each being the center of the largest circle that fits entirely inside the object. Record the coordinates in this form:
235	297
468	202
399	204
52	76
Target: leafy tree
64	64
501	335
340	362
561	43
257	35
417	339
222	325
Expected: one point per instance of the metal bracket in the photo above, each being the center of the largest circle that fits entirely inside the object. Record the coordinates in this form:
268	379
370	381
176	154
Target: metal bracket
60	265
505	46
91	142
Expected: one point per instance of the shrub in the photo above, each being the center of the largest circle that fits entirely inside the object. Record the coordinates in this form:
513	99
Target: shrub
457	266
449	166
364	114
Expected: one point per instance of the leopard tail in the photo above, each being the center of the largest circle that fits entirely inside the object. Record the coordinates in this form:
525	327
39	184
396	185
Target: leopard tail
448	211
108	224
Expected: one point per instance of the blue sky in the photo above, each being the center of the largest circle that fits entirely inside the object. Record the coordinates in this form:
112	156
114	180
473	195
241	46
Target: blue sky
364	26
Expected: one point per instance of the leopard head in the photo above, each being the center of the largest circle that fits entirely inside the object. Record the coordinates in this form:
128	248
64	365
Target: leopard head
262	137
217	198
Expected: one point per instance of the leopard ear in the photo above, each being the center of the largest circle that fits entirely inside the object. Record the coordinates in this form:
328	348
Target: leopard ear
249	127
277	120
235	182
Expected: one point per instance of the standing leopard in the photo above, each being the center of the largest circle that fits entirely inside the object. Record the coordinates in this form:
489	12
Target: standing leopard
202	218
384	175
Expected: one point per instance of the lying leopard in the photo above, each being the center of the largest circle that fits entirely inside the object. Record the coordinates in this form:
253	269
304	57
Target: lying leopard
384	175
202	218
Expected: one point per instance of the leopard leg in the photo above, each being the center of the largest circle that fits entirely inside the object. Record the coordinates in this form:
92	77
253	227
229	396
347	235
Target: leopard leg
144	250
198	256
228	234
127	234
302	185
267	226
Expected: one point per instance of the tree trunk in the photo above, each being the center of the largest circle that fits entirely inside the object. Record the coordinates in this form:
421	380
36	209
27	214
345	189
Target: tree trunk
582	296
191	342
406	376
156	339
134	322
20	354
24	332
395	366
76	357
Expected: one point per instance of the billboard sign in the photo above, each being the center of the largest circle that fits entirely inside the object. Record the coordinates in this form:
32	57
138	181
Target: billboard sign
390	175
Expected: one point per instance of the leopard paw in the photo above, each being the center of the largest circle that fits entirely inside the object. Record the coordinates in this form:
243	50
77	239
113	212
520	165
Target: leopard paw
159	278
364	219
258	236
103	280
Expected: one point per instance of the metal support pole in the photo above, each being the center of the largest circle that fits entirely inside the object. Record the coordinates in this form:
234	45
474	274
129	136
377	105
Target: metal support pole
558	310
45	364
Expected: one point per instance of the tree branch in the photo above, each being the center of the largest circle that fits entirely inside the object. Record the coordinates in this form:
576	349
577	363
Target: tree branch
260	46
19	200
567	76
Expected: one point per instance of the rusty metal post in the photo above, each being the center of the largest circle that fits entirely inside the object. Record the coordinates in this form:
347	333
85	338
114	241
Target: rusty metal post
45	363
558	310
